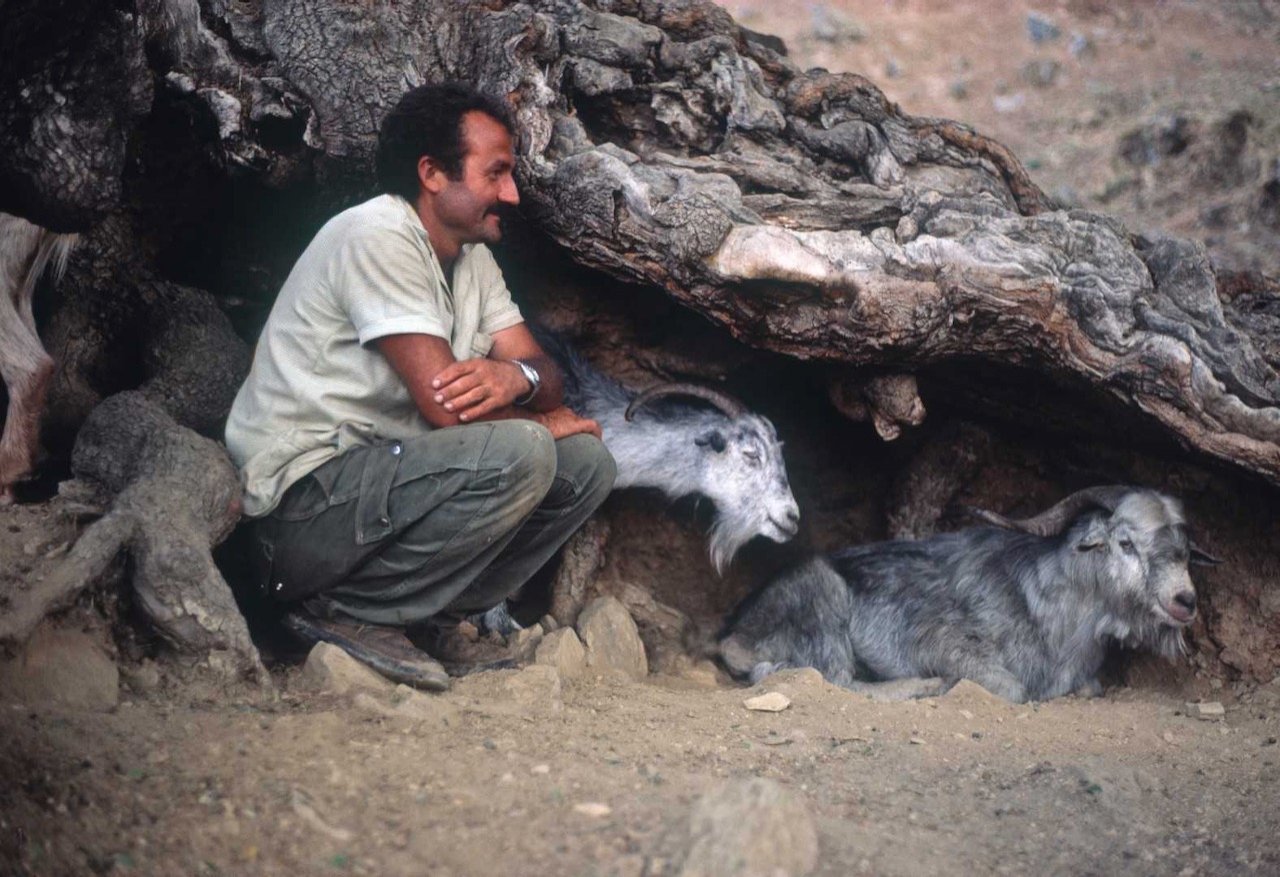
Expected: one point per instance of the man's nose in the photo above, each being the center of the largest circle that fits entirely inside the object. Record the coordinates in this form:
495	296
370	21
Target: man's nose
508	194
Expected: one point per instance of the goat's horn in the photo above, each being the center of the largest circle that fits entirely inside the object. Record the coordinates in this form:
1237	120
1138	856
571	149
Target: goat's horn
1054	520
1199	555
726	403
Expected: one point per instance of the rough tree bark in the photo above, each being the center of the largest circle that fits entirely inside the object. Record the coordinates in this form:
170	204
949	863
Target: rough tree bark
800	210
663	144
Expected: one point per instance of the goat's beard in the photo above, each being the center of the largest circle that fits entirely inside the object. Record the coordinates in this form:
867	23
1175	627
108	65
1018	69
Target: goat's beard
726	537
1163	639
1171	642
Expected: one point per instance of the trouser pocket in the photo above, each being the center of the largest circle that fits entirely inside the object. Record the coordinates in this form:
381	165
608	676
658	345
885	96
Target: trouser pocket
373	513
262	556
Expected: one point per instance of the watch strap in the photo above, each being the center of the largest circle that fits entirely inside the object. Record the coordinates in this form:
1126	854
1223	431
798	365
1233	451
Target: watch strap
534	379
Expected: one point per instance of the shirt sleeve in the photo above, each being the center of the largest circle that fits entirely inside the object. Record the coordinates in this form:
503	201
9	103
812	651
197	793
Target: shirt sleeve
498	311
388	286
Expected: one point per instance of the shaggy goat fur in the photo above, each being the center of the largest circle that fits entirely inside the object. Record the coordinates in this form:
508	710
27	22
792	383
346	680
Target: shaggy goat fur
682	447
1027	616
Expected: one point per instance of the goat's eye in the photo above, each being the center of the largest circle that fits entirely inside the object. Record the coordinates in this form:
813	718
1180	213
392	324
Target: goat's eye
1126	544
752	455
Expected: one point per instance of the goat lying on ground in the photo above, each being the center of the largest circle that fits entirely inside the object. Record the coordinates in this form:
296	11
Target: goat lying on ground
25	251
1024	608
659	438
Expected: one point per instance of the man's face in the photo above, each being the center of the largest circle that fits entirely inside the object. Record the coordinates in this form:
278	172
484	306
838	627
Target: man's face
468	208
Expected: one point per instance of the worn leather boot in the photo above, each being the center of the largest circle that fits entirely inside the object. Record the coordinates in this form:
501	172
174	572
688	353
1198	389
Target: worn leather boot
384	649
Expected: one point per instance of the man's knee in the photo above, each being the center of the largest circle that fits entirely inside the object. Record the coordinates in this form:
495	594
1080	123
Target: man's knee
587	463
526	454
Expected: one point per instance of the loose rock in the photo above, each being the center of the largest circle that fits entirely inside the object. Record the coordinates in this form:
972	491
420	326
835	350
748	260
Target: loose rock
612	640
967	693
526	639
563	650
1041	29
1209	711
537	687
594	809
331	670
63	668
750	828
773	702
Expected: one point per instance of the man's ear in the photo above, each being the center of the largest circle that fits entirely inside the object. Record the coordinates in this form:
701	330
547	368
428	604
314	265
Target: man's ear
713	439
431	175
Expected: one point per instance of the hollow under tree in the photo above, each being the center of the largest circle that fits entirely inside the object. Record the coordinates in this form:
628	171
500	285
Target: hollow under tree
661	143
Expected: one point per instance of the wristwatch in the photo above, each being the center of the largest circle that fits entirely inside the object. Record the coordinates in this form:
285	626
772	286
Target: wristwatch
534	379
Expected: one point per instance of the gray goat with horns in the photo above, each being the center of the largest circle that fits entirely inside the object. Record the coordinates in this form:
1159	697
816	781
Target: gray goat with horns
721	450
1024	608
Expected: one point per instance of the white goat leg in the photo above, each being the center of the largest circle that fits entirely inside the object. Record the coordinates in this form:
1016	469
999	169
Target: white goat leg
25	251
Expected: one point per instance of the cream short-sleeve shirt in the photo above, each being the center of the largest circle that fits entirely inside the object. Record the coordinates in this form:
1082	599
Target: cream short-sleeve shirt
318	386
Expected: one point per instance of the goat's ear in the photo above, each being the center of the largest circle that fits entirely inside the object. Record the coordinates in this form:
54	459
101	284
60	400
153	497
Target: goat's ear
1200	556
1094	536
713	439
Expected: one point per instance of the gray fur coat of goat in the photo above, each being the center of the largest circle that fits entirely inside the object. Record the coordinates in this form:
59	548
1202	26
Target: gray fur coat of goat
1027	608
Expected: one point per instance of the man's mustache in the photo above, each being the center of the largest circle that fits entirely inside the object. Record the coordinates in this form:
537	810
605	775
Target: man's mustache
503	212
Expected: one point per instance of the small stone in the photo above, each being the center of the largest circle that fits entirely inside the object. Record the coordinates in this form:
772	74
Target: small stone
548	623
612	640
916	741
703	673
1041	72
594	809
750	827
1209	711
1168	737
773	702
1008	103
967	693
142	678
540	769
798	677
331	670
832	26
563	650
526	638
64	668
1041	29
537	687
1081	47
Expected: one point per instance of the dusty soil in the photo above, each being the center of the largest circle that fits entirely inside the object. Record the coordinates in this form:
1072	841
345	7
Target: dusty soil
184	777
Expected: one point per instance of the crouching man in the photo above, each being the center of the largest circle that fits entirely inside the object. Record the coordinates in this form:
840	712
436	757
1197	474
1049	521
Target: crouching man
401	436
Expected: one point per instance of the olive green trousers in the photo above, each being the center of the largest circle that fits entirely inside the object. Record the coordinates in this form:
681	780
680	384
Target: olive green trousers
451	521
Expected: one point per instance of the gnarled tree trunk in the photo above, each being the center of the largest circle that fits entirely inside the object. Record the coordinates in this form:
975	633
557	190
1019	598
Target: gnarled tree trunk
663	145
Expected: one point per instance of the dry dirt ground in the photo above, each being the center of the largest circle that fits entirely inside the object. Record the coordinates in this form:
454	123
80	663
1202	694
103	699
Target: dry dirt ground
511	773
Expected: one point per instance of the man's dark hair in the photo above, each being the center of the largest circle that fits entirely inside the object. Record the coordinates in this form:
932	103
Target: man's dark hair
428	121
